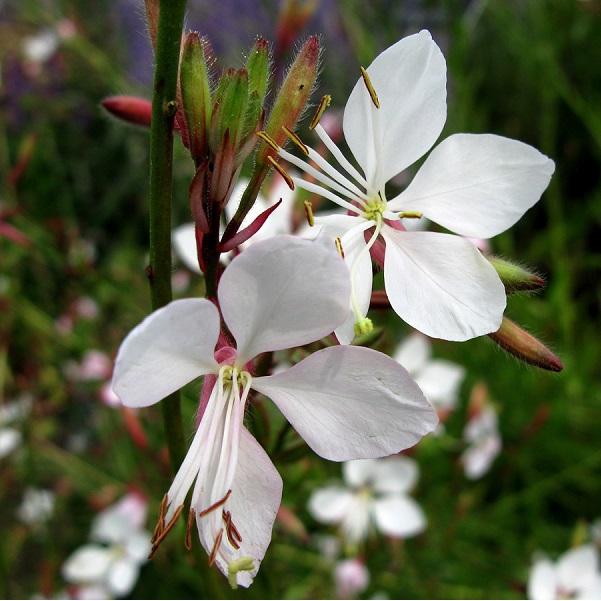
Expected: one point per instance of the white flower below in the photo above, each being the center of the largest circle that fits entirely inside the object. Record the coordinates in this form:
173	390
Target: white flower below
36	507
484	442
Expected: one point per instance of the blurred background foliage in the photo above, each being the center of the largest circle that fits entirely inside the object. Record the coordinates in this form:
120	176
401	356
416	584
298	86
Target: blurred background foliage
74	183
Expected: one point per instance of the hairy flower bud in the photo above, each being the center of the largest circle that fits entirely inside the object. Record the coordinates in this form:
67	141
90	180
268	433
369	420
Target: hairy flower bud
229	108
196	94
129	108
258	66
515	277
525	346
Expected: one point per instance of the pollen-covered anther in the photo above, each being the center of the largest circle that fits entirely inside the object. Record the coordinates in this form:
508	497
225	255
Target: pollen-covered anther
296	140
309	212
215	505
281	171
324	103
268	140
189	526
160	525
164	531
370	88
411	214
339	247
215	548
233	535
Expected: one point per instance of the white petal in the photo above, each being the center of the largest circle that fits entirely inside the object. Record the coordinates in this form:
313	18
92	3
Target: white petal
359	472
542	582
255	499
183	239
400	516
577	566
283	292
413	353
591	589
330	505
478	458
477	185
441	285
395	475
122	576
410	81
171	347
138	546
87	565
440	381
10	439
351	402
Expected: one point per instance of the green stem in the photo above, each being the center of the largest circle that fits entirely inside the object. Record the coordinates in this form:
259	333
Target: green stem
171	17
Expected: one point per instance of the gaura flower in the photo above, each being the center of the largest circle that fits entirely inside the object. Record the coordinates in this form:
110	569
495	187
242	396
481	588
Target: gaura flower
346	402
36	507
351	577
482	435
475	185
575	575
376	494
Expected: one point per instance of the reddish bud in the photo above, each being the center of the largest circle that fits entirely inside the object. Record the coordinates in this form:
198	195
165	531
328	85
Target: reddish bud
129	109
291	523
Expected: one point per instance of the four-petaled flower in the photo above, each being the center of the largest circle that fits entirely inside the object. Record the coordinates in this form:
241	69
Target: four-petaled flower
473	185
346	402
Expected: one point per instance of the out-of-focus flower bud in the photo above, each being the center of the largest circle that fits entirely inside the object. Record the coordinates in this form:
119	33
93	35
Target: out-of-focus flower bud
291	523
292	97
515	277
129	108
152	19
525	346
196	94
294	15
351	577
258	66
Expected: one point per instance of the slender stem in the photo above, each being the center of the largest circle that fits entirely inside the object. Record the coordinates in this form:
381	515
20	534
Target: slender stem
171	17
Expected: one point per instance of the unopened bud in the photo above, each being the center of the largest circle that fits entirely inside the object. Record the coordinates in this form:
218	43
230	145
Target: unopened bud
293	96
294	15
258	66
129	108
231	99
196	94
291	523
525	346
515	277
152	20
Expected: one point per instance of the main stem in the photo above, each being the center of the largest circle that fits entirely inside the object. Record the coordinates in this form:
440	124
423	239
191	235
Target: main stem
171	17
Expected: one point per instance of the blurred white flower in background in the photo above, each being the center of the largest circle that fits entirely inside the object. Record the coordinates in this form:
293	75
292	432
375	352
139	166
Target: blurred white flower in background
376	494
36	507
10	413
575	575
481	433
351	578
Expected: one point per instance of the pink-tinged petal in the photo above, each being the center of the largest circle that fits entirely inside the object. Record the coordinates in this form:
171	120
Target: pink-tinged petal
395	475
254	502
171	347
542	583
330	505
184	244
410	81
351	577
399	516
359	472
477	185
577	567
351	402
283	292
441	285
413	353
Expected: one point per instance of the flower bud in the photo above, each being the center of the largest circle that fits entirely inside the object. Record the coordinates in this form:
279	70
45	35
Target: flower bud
525	347
196	94
293	96
258	66
229	108
294	15
515	277
129	108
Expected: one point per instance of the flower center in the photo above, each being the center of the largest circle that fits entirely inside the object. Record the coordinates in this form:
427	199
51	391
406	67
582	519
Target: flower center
374	209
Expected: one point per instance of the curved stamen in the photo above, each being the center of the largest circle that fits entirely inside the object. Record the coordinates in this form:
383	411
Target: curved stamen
301	183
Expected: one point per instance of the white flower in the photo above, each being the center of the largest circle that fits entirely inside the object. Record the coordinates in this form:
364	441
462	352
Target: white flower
346	402
41	46
351	578
115	565
439	380
474	185
10	437
484	442
36	507
575	575
376	493
278	222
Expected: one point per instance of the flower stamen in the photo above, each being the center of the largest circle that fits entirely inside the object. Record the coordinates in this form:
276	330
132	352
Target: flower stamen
189	524
309	212
268	140
324	103
410	214
215	549
215	505
165	531
339	247
296	140
281	171
370	88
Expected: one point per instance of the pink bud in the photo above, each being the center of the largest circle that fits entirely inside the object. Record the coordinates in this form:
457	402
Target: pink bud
129	108
352	578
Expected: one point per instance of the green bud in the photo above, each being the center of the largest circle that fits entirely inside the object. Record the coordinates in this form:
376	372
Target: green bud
515	277
258	67
196	94
293	96
229	109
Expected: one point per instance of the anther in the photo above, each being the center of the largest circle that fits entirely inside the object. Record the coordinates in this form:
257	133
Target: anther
215	505
370	88
309	212
296	139
215	548
160	526
165	531
411	214
268	140
339	247
231	530
324	103
282	172
188	539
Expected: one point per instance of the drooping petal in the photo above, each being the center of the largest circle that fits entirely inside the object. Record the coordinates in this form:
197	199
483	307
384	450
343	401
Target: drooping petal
254	502
329	505
399	516
440	381
183	239
410	81
88	564
477	185
359	472
171	347
441	285
542	583
413	353
351	402
395	475
577	566
283	292
122	576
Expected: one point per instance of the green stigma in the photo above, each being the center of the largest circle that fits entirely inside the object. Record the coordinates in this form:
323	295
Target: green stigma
373	209
363	326
243	564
